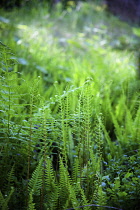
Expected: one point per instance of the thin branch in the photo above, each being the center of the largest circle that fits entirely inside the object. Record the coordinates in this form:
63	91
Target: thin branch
96	206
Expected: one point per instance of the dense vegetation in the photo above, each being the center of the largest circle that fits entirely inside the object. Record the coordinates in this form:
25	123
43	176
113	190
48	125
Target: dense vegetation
70	109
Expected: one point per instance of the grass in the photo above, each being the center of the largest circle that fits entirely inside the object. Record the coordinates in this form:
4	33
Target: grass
70	110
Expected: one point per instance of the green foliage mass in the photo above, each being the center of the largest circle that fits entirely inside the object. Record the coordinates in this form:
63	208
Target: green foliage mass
69	111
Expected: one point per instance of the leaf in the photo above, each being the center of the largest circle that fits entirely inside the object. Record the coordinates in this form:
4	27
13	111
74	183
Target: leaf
136	31
128	175
122	194
117	183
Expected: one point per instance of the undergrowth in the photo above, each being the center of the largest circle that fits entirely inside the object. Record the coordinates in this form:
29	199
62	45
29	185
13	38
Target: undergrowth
69	128
66	159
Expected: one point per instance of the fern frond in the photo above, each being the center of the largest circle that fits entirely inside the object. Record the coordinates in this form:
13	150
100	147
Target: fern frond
51	187
10	177
137	126
35	183
4	201
63	185
84	200
31	205
76	171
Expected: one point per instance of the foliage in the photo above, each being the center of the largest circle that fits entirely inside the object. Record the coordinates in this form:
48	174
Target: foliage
69	127
10	4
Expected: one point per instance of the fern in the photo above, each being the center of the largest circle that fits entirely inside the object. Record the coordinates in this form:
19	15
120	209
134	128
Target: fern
69	167
83	197
35	182
137	122
63	186
4	201
31	205
70	150
51	186
10	177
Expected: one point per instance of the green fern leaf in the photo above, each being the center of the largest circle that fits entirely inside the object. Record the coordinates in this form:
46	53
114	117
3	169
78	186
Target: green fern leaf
35	183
